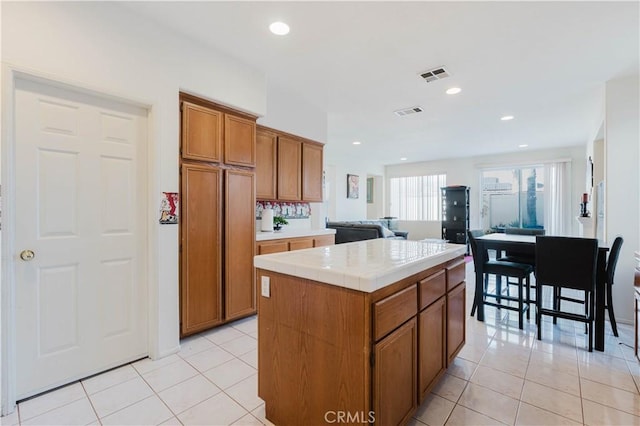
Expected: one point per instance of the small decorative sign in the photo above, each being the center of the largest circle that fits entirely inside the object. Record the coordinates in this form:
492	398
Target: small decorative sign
169	208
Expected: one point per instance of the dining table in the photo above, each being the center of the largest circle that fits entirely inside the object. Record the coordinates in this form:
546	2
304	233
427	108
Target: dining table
526	244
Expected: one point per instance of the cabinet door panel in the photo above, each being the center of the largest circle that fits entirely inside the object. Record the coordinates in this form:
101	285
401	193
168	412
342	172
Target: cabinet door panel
266	164
395	375
239	243
201	133
200	228
432	356
239	141
311	172
456	321
289	169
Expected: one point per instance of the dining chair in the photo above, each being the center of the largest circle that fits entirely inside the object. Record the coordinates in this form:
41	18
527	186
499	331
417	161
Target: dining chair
566	262
500	269
517	256
610	271
612	261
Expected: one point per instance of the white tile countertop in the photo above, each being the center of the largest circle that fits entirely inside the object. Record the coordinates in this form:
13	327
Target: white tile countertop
364	265
293	233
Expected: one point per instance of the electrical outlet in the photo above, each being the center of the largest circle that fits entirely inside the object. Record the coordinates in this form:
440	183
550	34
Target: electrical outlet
266	287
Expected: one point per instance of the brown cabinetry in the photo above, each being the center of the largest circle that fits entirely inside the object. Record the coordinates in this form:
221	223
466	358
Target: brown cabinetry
388	348
394	376
311	172
239	141
201	254
432	326
455	321
266	164
288	167
239	273
217	227
201	133
288	244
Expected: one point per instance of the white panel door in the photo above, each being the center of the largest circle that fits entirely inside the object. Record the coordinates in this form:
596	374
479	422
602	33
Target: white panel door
81	301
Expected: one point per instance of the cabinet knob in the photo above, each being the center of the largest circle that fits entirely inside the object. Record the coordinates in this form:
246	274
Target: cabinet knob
27	255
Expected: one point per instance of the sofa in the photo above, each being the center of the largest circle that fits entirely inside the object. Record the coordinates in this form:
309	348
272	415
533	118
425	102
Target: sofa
358	230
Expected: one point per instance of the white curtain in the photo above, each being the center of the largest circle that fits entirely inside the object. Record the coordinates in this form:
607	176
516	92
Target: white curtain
557	202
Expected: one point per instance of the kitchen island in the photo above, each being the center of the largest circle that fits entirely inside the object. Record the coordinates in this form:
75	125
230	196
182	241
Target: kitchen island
358	332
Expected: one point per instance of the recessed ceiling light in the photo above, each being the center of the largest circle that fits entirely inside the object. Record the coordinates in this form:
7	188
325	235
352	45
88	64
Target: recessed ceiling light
403	159
453	90
524	145
357	142
506	117
279	28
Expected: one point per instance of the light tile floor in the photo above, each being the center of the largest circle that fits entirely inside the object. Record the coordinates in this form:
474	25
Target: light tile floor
502	376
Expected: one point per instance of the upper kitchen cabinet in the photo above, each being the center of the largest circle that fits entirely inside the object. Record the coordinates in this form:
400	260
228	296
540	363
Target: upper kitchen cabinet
266	164
289	169
311	172
217	134
201	133
239	141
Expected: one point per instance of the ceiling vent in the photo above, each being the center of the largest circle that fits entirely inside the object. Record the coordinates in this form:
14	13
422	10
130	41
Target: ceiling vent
407	111
435	74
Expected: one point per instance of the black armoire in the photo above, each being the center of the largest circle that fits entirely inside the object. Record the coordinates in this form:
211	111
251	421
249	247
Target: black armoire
455	214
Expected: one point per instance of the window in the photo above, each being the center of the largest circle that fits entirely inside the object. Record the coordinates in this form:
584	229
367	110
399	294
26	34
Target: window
416	197
513	197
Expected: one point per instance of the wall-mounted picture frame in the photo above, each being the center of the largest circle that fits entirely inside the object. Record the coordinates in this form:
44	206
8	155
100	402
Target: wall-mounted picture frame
370	190
353	186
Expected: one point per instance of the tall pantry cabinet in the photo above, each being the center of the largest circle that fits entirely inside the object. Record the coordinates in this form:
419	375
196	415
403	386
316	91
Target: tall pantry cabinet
217	227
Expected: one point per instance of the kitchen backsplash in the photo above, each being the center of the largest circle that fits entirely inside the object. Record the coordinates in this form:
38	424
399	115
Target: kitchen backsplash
289	210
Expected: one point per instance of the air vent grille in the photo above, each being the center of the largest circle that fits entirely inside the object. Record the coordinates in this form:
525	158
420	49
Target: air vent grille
435	74
407	111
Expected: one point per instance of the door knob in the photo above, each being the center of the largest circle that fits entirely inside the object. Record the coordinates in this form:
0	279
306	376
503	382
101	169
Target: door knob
27	255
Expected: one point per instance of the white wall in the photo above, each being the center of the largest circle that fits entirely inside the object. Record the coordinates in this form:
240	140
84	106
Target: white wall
107	48
466	171
339	207
622	195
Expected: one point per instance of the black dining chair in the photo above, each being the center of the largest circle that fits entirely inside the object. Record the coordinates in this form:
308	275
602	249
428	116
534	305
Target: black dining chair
610	272
517	256
500	269
612	261
566	262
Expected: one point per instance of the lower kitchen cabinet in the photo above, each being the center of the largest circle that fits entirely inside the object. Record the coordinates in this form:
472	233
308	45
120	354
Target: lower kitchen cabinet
239	284
290	244
201	254
394	376
217	277
432	357
388	348
456	321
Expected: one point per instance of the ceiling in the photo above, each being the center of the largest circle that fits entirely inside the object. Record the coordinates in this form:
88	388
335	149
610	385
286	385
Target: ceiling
545	63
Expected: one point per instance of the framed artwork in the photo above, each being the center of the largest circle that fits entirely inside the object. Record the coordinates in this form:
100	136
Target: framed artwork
370	190
353	186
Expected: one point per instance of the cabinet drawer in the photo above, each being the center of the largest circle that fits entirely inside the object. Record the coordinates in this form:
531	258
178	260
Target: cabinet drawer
432	288
301	244
324	240
455	274
273	247
394	310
